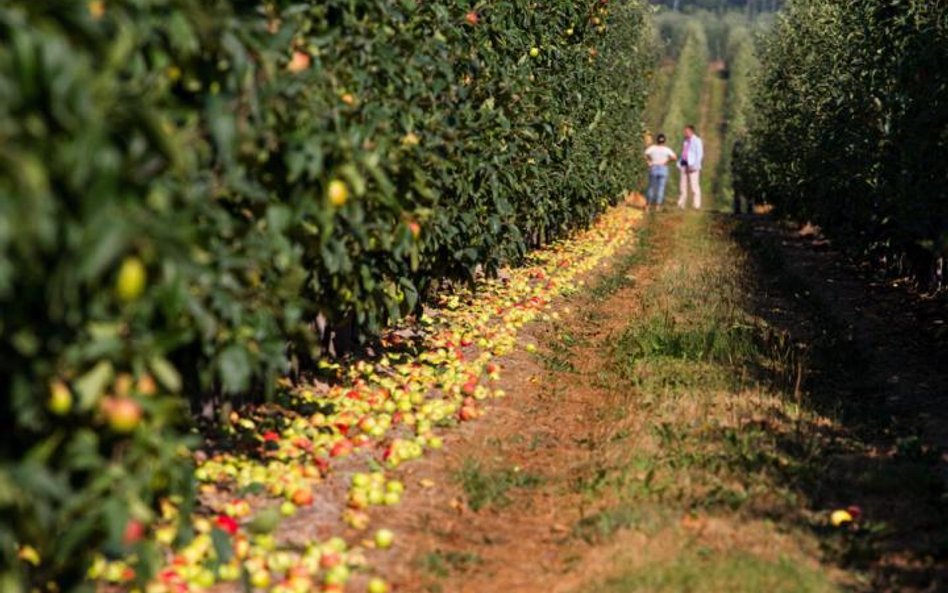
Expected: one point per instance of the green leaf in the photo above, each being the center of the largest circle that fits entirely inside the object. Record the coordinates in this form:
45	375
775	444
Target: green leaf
166	374
234	365
91	386
223	545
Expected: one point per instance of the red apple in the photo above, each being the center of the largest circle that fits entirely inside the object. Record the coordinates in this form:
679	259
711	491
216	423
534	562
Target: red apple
341	448
302	497
123	414
299	62
226	524
134	532
329	559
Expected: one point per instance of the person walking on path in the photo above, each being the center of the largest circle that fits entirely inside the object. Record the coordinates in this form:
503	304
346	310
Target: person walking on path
657	156
692	153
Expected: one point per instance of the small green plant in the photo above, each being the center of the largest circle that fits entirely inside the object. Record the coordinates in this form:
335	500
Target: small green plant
603	524
442	563
558	360
484	488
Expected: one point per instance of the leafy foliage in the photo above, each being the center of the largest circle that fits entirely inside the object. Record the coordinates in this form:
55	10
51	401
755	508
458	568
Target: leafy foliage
748	6
187	188
685	91
741	66
851	122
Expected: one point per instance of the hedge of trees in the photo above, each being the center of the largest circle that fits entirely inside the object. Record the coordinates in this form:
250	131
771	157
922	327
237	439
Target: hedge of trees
194	194
851	125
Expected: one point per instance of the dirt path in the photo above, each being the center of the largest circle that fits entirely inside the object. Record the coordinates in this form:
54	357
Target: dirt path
513	503
690	422
502	502
684	426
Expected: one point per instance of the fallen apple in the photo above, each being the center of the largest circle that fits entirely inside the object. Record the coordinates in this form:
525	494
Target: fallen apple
377	585
302	497
384	538
840	517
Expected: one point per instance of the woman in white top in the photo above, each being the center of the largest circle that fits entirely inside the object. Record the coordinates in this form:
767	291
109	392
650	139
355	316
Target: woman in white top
657	156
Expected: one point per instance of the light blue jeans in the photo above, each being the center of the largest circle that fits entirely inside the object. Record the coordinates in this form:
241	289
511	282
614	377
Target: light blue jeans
657	178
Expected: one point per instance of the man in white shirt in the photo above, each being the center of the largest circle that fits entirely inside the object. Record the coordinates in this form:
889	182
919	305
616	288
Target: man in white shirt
692	153
657	156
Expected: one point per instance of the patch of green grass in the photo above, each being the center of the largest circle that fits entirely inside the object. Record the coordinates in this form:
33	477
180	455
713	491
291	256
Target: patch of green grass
442	563
605	523
590	484
695	346
748	401
704	571
717	340
568	340
557	362
611	284
484	488
560	356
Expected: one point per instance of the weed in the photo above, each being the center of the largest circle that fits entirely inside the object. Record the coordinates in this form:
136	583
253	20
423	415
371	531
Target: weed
557	362
560	358
442	563
484	488
605	523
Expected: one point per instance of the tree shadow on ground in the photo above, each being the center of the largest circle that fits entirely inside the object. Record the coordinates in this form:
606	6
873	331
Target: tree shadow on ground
855	356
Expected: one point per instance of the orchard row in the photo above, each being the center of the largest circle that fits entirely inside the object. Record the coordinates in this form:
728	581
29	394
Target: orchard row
293	458
850	127
197	198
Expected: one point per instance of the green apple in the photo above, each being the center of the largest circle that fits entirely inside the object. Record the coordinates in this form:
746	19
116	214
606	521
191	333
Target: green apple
384	538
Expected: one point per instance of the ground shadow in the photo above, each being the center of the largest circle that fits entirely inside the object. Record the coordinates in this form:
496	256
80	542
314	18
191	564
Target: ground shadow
855	354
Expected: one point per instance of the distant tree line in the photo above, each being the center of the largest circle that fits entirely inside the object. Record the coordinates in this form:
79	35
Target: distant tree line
751	7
